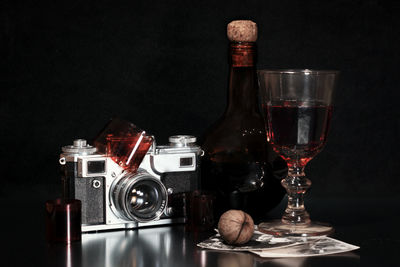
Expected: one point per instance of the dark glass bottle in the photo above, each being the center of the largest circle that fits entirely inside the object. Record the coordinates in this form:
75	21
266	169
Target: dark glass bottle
238	164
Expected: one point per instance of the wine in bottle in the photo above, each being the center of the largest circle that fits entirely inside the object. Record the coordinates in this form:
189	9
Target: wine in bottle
238	164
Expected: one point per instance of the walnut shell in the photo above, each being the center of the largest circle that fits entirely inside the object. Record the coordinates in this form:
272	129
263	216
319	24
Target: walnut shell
236	227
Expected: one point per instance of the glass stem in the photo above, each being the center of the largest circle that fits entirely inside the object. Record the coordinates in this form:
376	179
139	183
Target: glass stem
296	185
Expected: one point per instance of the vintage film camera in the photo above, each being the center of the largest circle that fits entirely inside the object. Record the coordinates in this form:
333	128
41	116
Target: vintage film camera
114	198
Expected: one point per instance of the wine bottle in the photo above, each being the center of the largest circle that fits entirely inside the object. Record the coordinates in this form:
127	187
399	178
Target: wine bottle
238	164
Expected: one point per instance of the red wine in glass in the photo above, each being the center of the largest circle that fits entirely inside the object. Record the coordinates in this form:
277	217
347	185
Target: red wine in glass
298	131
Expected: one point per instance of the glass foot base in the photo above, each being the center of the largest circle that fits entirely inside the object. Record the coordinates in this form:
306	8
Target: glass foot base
277	228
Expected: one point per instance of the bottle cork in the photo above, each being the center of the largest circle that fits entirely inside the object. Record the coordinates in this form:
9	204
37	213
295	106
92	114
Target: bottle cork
242	31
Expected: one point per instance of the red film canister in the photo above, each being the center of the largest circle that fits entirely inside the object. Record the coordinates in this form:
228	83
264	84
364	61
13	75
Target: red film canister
63	220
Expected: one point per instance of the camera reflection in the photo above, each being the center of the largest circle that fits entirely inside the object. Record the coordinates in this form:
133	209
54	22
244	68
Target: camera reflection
143	247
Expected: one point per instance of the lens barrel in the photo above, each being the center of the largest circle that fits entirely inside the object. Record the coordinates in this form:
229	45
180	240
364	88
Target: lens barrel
139	197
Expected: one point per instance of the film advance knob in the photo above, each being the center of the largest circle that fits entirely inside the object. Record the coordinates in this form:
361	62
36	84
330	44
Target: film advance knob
79	146
182	140
80	143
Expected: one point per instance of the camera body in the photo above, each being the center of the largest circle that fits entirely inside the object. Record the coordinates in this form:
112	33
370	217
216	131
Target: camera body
114	198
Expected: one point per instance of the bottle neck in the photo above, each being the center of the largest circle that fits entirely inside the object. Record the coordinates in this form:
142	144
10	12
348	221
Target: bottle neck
243	87
242	54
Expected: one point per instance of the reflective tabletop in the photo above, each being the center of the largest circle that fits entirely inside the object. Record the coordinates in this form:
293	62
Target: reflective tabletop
161	246
363	222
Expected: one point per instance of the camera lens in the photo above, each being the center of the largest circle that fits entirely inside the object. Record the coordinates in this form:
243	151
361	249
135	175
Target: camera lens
139	197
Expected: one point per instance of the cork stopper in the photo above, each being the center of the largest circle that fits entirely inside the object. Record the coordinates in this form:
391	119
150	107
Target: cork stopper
242	31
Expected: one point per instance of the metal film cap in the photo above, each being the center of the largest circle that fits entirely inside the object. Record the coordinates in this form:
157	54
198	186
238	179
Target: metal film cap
79	146
182	140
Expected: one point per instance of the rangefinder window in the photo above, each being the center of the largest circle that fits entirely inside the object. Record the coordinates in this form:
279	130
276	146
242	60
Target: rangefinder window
97	166
185	162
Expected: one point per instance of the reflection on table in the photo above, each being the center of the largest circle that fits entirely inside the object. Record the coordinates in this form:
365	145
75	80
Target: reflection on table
160	246
144	247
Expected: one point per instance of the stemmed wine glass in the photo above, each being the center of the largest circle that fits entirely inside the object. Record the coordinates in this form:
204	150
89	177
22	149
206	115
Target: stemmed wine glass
297	107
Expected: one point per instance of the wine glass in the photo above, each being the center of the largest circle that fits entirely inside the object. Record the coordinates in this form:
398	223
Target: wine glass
297	108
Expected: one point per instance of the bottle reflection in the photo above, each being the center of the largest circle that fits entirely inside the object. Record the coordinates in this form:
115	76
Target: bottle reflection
232	259
285	262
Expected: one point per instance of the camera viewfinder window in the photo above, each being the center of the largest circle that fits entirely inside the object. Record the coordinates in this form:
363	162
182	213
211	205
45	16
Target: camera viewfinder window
186	162
96	166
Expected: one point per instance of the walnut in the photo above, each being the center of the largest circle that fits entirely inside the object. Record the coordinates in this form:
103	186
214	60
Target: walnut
236	227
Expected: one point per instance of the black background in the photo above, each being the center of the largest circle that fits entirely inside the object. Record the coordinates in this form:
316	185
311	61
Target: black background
67	67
